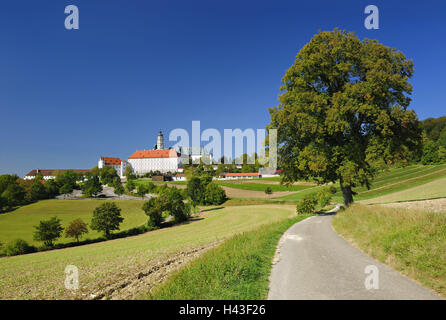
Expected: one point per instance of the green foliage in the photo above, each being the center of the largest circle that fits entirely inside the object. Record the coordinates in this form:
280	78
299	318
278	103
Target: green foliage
335	121
106	218
434	127
141	190
324	196
76	229
48	231
175	205
92	187
108	175
214	194
66	188
130	185
268	190
430	153
68	179
38	191
154	209
17	247
14	195
195	190
118	188
307	205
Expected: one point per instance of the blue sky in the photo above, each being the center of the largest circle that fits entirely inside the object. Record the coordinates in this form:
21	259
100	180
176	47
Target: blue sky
133	67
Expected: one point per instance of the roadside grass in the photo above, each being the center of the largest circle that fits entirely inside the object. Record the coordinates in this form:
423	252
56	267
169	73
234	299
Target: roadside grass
237	269
41	275
20	222
410	241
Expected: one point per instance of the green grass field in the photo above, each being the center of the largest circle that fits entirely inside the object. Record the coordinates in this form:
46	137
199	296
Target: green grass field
20	223
262	186
41	275
412	242
236	270
387	182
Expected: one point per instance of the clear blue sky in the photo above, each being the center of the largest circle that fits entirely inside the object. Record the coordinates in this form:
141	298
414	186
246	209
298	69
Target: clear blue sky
133	67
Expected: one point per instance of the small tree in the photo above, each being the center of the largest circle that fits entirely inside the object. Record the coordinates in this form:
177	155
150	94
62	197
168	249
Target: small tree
17	247
48	231
174	203
76	229
268	190
106	218
38	191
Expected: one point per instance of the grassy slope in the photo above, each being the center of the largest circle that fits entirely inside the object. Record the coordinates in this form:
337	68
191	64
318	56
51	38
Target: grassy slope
413	242
262	186
432	190
20	223
387	182
237	269
41	275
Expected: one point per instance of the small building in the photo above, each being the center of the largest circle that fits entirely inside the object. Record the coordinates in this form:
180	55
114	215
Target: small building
242	175
49	174
179	177
118	164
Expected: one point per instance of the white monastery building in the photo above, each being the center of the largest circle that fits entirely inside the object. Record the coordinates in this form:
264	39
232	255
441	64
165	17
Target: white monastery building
116	163
159	159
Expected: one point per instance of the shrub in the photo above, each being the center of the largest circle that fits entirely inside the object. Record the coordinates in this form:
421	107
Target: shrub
214	194
268	190
48	231
76	229
307	205
106	218
175	205
195	190
17	247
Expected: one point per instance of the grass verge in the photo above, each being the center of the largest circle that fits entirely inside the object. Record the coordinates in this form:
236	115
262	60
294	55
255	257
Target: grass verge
237	269
410	241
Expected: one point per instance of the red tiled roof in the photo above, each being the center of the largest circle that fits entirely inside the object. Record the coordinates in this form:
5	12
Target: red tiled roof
142	154
52	172
111	161
242	174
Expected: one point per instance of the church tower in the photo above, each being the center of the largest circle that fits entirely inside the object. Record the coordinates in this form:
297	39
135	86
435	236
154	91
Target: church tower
160	141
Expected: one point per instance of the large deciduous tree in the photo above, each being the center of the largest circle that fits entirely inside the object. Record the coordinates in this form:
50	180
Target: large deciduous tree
343	108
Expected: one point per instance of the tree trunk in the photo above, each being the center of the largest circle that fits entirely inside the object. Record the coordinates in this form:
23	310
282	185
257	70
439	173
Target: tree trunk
347	193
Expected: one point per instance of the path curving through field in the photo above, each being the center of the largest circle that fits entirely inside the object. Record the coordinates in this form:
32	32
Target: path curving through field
314	262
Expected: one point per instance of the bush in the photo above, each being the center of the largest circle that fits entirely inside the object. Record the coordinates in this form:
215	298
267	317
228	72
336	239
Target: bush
130	185
307	205
141	190
17	247
175	205
214	194
195	190
268	190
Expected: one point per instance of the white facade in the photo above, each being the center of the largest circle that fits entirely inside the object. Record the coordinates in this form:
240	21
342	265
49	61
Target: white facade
164	165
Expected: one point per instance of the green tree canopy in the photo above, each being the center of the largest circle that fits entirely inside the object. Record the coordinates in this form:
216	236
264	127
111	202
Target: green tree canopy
343	106
48	231
106	218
